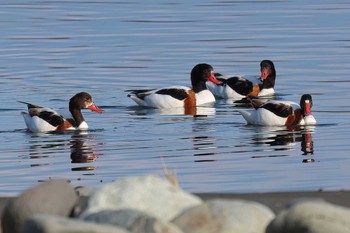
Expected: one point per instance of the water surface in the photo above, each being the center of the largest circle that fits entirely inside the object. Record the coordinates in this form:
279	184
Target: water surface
50	50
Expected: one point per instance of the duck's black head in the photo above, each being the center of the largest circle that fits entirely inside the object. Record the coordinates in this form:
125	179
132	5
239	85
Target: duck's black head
80	100
306	104
268	73
200	74
83	100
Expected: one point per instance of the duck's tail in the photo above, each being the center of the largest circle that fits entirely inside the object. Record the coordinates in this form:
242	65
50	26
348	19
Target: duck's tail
247	115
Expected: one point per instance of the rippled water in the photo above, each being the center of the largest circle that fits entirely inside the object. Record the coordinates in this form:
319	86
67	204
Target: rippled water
50	50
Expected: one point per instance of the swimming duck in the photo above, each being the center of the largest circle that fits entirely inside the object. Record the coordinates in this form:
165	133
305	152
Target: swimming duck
180	96
239	87
273	113
43	119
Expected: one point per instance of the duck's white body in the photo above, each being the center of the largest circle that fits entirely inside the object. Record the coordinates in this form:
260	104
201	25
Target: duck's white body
238	87
180	96
224	91
271	116
154	100
36	124
42	119
266	92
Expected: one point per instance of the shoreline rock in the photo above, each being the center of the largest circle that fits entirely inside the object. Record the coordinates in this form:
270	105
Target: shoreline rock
150	194
55	197
151	204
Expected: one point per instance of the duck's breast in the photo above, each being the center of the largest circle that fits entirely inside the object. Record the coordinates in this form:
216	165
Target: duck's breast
308	120
267	92
204	97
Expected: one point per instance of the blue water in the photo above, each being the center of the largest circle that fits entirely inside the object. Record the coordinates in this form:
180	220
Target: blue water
50	50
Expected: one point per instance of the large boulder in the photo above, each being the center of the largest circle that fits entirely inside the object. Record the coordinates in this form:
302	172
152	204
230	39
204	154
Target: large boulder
225	216
150	194
55	197
311	217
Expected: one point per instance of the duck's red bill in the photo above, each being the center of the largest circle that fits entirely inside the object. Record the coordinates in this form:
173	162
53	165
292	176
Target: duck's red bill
307	109
264	74
95	109
213	79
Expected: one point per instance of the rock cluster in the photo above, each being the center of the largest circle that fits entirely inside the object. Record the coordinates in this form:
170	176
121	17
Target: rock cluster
150	204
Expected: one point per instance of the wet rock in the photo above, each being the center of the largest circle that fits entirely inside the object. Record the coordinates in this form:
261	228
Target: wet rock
225	216
133	220
150	194
55	197
55	224
311	217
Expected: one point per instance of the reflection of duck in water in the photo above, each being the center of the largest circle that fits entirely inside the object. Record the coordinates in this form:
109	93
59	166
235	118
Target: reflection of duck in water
204	143
239	87
275	136
307	144
281	139
192	111
42	119
81	152
274	113
284	138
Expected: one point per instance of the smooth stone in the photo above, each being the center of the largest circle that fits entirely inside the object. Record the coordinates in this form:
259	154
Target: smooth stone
55	197
150	194
133	220
225	216
311	217
55	224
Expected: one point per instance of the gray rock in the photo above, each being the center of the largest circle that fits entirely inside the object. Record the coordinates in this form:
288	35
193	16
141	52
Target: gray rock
225	216
150	194
83	191
55	224
55	197
133	220
311	217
